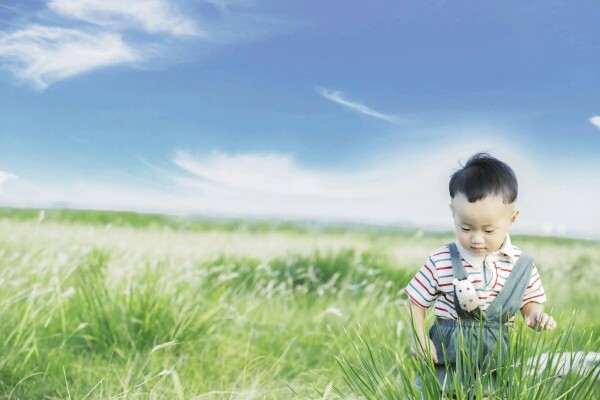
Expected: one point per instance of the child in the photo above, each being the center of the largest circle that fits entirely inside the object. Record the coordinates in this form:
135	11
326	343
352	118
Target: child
483	195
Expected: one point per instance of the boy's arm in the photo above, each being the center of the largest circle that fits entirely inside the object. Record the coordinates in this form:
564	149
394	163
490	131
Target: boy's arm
535	318
420	343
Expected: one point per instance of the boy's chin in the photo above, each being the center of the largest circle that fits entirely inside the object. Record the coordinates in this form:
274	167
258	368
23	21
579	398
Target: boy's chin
480	251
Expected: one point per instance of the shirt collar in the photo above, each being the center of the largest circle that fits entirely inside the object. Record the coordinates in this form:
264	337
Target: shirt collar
506	249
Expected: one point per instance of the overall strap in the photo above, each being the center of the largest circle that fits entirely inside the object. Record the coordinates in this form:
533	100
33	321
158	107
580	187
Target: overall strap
458	269
508	302
459	272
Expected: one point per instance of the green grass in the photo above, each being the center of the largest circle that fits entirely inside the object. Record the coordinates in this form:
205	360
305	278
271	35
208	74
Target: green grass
99	305
379	368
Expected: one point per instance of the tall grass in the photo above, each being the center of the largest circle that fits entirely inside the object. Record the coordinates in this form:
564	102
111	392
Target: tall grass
530	369
129	312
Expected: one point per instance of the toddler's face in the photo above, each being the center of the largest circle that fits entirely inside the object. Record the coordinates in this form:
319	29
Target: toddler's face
481	227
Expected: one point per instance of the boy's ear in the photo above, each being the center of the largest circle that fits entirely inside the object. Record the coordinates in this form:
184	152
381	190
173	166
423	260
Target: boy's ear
451	208
513	217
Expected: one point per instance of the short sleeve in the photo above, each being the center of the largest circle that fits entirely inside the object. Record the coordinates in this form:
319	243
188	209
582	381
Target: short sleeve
423	288
535	290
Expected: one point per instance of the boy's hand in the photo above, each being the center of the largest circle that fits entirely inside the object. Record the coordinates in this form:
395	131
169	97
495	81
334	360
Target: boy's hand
426	349
420	344
540	321
535	318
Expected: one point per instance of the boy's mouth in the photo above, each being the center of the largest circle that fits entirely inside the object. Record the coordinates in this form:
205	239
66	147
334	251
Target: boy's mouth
477	249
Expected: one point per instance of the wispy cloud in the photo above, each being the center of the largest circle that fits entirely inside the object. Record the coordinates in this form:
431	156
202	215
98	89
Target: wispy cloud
277	185
43	54
390	189
5	177
267	173
337	97
595	121
155	16
70	37
87	35
408	186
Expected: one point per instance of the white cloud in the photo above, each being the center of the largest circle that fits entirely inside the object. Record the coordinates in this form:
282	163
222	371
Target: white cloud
337	97
155	16
90	34
276	185
266	173
43	54
5	177
405	186
595	121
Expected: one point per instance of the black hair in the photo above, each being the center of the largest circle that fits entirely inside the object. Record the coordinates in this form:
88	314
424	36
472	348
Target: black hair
482	176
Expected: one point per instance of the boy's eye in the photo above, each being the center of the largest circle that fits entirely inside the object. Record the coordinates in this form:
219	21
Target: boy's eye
465	229
490	231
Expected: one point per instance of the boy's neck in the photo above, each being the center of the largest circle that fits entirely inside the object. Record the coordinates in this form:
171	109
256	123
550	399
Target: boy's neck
477	261
474	260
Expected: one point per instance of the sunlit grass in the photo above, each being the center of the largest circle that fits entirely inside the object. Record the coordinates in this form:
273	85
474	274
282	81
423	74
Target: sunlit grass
143	310
380	368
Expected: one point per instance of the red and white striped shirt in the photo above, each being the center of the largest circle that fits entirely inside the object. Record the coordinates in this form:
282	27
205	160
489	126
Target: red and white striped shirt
432	285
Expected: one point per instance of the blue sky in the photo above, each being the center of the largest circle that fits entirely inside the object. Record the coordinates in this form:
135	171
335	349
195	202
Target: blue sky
329	110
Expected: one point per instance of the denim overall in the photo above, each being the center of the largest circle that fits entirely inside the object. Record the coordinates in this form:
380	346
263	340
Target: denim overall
478	339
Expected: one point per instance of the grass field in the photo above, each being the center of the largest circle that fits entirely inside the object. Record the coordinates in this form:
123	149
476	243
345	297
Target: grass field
98	305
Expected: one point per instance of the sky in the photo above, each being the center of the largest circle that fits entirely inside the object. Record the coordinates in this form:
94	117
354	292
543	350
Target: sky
320	110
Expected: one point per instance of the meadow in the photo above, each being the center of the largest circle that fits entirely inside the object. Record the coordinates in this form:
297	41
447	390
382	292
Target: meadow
104	305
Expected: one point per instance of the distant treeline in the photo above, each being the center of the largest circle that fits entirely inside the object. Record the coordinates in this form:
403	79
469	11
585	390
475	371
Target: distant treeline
193	223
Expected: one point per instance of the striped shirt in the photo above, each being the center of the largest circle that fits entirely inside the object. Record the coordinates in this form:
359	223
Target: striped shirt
432	285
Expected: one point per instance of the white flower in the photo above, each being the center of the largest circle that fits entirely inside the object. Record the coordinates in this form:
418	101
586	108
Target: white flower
41	216
399	327
334	311
81	326
227	277
70	292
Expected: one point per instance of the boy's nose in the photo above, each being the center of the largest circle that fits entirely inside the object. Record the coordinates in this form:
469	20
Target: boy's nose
476	239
